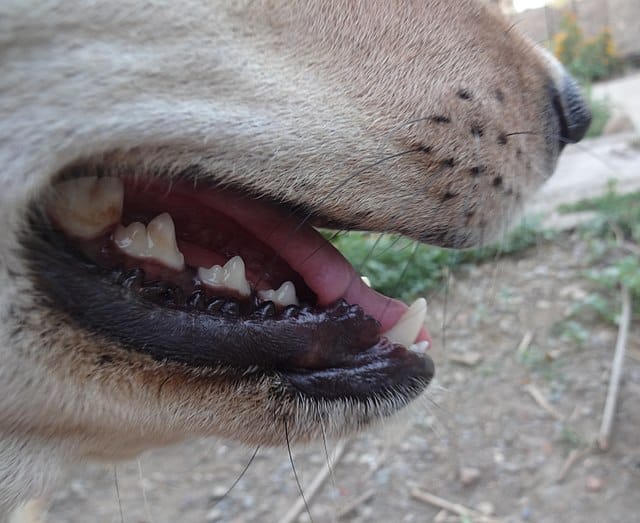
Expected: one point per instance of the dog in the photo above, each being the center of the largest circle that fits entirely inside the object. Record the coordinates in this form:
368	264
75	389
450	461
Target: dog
164	166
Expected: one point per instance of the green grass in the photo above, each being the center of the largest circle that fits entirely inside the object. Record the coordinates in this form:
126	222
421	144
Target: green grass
400	267
613	237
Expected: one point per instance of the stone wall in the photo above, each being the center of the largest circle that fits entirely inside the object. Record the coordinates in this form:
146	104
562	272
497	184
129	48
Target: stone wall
622	16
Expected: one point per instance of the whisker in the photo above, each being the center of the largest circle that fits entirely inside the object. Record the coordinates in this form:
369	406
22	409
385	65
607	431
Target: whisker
237	480
147	508
295	472
115	481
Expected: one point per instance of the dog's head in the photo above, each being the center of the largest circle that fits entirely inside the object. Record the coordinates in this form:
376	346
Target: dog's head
143	147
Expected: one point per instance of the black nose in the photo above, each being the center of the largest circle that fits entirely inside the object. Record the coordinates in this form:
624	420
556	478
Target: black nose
572	110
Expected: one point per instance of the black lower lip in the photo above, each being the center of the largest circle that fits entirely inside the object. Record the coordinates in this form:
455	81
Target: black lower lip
329	353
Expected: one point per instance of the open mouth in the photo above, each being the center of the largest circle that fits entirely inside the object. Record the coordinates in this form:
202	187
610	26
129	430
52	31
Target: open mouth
208	277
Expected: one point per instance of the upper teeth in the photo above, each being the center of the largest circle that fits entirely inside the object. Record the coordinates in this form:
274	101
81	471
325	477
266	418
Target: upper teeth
87	207
156	241
284	296
231	276
406	330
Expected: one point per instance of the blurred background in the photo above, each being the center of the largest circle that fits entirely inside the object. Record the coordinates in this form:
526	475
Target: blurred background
524	339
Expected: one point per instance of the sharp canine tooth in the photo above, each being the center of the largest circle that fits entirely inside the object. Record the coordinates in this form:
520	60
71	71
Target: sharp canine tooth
87	207
284	296
366	281
231	276
420	347
156	241
406	330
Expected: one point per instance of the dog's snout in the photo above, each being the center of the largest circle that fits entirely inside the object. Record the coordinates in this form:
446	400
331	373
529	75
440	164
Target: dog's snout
571	108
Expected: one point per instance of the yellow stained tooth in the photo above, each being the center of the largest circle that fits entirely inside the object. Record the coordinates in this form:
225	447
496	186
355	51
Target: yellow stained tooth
284	296
87	207
406	330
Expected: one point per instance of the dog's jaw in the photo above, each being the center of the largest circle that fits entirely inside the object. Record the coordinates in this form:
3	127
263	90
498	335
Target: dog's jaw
418	118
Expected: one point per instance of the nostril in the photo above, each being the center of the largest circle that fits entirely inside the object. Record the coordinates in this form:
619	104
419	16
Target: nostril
572	109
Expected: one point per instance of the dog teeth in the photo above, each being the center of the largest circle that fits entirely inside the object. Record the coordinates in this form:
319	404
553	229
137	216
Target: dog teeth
406	330
156	241
420	347
284	296
231	276
87	207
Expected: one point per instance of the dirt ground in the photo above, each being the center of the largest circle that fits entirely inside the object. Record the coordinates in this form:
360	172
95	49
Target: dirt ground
479	417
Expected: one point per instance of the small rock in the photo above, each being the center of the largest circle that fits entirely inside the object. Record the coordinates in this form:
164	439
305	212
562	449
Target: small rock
469	476
594	484
219	492
486	508
618	122
469	359
213	515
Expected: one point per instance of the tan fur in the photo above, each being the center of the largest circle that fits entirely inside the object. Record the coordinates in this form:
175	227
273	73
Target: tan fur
315	103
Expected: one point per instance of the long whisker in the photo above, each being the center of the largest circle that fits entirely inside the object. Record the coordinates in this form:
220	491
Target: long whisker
295	472
240	476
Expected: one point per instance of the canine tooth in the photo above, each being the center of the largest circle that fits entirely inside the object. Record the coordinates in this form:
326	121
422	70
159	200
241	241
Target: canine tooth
156	241
420	347
284	296
366	281
86	207
405	331
231	276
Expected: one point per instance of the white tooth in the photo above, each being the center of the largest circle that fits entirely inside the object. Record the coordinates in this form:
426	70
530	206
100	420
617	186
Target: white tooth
161	240
87	207
131	239
156	241
420	347
231	276
406	330
234	276
284	296
366	281
212	277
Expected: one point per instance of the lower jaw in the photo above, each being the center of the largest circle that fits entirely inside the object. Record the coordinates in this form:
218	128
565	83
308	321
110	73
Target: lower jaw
329	353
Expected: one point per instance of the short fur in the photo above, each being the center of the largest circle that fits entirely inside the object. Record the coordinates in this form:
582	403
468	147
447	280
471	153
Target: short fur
404	112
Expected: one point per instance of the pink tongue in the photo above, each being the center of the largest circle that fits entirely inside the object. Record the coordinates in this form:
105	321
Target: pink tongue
327	273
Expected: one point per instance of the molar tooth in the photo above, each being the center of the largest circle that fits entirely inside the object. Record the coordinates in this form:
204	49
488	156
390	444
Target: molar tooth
86	207
231	276
156	241
284	296
405	331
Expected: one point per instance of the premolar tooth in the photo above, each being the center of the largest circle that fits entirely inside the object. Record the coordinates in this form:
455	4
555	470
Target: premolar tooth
284	296
406	330
156	241
161	238
231	276
87	207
